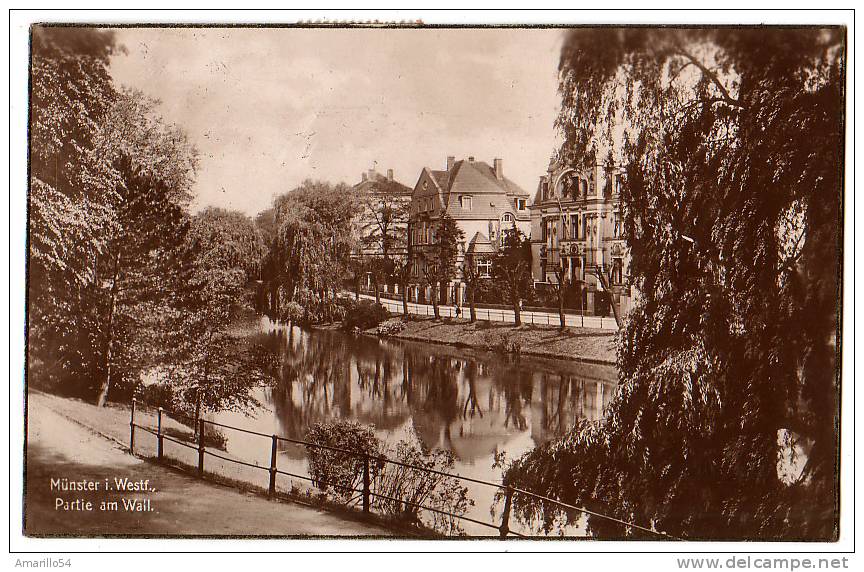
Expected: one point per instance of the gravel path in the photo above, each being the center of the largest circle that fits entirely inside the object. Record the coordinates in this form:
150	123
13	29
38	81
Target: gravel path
59	448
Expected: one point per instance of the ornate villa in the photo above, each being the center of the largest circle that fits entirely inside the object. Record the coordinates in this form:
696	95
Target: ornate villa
577	234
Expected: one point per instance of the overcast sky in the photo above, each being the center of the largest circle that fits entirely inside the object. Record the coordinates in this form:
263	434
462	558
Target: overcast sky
268	108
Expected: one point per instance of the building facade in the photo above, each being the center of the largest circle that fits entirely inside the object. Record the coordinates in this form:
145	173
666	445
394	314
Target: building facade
482	202
381	225
577	235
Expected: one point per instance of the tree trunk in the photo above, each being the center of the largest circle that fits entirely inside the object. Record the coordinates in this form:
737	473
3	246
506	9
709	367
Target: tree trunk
561	314
109	334
434	297
377	288
472	306
604	281
404	289
517	311
197	414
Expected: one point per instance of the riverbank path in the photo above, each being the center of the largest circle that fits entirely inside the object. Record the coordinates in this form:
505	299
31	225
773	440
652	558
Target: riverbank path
501	315
63	453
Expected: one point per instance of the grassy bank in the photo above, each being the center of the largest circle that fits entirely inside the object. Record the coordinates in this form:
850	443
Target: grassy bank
576	344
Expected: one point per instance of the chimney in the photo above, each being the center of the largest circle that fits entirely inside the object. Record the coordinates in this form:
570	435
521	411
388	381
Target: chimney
451	160
471	159
499	169
363	176
390	175
371	174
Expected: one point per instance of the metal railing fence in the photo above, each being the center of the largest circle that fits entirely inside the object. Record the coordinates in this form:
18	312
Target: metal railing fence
500	315
366	492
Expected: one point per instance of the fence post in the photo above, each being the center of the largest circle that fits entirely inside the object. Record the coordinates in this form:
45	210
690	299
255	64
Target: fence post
200	447
366	482
132	429
272	489
159	434
504	529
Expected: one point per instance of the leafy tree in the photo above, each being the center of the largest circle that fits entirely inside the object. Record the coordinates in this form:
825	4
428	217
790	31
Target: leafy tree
511	269
109	188
156	165
733	146
440	258
309	258
215	368
71	190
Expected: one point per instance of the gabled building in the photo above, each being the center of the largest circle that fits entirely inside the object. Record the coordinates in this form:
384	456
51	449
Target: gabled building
481	200
576	225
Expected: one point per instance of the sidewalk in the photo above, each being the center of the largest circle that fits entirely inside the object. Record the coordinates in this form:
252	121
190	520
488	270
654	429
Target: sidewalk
501	315
59	448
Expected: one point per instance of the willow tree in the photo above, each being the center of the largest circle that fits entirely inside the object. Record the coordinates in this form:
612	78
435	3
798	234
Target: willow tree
310	255
733	143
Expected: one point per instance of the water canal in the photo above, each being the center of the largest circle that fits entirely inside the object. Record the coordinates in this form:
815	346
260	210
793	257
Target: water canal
473	403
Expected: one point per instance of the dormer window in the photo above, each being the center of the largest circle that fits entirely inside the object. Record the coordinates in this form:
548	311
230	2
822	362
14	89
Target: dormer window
465	202
507	218
520	204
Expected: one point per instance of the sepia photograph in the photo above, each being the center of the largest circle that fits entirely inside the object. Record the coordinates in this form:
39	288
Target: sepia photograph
411	281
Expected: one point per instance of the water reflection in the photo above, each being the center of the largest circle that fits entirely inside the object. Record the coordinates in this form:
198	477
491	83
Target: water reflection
472	403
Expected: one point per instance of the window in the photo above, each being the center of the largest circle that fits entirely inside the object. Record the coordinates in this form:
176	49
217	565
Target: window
507	217
574	227
617	270
617	228
465	202
619	184
484	267
520	204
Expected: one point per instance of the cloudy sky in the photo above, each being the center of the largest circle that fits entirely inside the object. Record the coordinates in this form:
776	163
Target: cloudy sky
268	108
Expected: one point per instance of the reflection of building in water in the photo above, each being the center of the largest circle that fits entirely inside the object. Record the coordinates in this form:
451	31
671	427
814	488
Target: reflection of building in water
560	400
472	417
472	404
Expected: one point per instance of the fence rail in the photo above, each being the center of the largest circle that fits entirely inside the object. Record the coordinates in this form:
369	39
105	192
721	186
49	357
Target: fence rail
366	493
532	317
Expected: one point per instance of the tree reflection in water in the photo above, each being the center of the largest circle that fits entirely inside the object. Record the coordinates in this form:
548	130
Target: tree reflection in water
471	403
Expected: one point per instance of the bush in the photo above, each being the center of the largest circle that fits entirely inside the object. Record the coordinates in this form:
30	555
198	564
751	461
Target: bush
213	436
364	314
337	473
293	312
391	327
340	474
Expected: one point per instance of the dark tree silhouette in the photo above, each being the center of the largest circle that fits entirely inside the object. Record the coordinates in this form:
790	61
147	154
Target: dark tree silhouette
733	145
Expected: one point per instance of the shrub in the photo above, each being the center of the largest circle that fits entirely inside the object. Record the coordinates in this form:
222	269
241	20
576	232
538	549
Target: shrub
213	436
364	314
403	489
391	327
293	312
340	474
156	395
336	472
